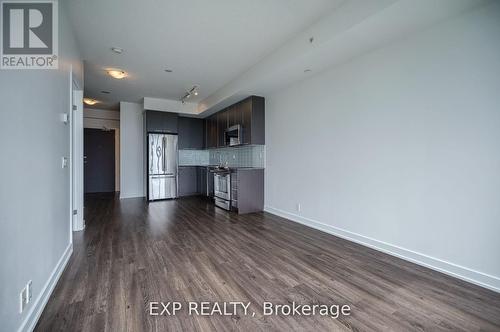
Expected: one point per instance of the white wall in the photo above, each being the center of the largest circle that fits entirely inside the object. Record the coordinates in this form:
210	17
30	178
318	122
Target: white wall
34	190
109	119
131	142
399	148
169	105
100	118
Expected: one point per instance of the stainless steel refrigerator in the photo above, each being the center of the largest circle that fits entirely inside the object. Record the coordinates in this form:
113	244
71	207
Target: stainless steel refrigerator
162	166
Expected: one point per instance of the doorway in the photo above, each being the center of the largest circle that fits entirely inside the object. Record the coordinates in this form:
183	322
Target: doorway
99	160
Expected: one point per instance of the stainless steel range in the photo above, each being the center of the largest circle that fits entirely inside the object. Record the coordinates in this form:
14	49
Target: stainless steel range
222	189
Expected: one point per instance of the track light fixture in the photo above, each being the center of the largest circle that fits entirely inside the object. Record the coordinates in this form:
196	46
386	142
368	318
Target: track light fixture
191	92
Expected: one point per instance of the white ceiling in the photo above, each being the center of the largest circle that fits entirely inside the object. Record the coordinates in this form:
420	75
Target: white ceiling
353	29
204	42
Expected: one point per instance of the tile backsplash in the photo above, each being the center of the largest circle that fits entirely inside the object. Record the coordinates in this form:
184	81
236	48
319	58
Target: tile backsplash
242	156
193	157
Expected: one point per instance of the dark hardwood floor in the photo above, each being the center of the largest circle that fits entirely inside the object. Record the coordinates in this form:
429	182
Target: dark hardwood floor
187	250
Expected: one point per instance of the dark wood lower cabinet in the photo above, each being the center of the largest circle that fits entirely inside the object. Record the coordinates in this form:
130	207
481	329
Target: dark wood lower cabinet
195	180
247	186
247	190
188	181
210	183
202	181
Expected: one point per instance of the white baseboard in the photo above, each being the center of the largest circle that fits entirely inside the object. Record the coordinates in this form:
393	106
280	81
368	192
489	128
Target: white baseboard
36	310
454	270
78	224
125	196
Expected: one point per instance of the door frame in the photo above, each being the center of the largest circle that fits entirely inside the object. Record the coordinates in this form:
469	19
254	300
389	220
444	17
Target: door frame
77	222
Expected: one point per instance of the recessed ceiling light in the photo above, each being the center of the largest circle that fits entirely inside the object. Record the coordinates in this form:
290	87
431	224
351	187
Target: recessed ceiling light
117	73
90	101
117	50
168	70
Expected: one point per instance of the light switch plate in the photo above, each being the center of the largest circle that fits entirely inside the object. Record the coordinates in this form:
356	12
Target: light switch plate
64	118
64	162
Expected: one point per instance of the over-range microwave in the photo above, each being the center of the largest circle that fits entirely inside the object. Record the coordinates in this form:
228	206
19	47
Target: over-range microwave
233	135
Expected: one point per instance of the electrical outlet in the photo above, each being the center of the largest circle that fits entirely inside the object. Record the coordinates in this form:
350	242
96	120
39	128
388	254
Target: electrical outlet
23	298
299	207
30	291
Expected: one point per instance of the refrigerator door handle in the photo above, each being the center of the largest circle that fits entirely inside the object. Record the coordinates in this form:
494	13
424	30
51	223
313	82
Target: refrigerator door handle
164	159
151	152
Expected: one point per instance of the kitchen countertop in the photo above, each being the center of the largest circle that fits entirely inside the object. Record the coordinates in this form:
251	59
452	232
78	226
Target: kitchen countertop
230	168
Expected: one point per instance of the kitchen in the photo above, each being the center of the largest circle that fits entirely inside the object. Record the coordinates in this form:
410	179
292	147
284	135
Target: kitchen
221	157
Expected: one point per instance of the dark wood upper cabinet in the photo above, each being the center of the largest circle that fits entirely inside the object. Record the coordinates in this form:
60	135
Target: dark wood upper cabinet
153	121
249	113
253	120
246	120
222	122
211	131
234	115
162	122
214	131
191	133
